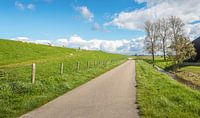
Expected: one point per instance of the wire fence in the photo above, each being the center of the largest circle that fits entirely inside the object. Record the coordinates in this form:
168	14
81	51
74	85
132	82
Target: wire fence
31	73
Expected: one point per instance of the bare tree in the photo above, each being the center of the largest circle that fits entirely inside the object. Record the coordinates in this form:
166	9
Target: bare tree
176	26
151	30
181	47
172	28
164	34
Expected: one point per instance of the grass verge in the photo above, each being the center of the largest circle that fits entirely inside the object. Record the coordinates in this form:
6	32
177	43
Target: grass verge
188	73
159	96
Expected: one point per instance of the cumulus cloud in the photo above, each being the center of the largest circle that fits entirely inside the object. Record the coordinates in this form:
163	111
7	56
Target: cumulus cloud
86	13
61	42
45	42
21	38
31	6
187	10
98	27
123	46
193	30
140	1
22	6
27	39
19	5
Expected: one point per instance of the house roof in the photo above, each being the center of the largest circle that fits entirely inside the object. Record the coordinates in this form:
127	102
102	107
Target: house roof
196	40
197	47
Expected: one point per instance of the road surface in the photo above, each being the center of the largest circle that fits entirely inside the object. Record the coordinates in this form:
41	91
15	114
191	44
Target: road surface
111	95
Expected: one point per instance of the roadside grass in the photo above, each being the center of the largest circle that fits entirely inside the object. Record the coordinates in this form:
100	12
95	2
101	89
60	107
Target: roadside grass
159	96
189	73
18	95
159	61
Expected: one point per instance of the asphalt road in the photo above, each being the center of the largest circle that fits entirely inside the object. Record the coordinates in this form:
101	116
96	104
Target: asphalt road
111	95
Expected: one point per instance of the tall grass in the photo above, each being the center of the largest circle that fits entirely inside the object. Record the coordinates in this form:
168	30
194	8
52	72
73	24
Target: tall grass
159	96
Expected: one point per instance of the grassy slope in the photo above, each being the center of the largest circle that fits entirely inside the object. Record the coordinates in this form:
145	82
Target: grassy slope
160	96
15	52
158	61
190	73
18	95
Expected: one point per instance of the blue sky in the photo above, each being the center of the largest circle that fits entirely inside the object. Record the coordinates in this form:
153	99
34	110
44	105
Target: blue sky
109	25
60	18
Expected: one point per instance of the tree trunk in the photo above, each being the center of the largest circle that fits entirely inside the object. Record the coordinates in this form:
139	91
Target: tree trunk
152	49
153	57
164	53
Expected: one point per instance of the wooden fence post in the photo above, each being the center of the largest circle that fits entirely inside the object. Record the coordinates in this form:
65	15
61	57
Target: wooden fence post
33	73
78	66
61	68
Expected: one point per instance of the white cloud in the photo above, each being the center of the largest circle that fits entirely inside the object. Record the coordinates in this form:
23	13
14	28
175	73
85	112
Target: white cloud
19	5
61	42
86	13
188	10
31	6
122	46
21	38
45	42
27	39
193	30
140	1
98	27
22	6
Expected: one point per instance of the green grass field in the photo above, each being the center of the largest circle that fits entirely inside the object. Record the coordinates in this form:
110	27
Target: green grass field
159	96
164	64
159	61
189	73
18	95
193	69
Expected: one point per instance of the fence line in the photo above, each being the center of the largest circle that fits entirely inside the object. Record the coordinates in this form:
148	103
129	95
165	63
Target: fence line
78	66
33	73
52	70
61	68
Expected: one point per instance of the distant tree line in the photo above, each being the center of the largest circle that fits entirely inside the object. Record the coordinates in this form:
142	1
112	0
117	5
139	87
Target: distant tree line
167	36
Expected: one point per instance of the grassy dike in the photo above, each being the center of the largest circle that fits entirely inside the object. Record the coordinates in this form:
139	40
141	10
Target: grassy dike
18	95
159	96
